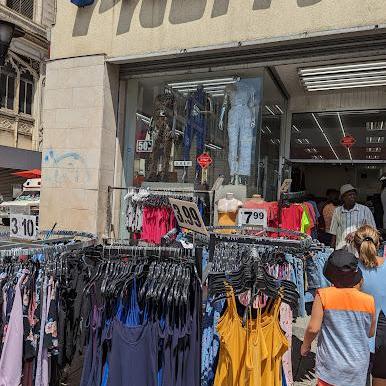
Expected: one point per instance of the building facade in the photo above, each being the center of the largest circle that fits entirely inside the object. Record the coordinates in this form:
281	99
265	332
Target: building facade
281	83
21	88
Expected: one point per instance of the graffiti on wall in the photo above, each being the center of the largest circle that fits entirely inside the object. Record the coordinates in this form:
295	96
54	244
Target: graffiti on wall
67	167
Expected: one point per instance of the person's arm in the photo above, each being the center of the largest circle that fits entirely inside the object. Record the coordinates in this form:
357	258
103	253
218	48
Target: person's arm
373	326
313	327
333	241
370	218
334	228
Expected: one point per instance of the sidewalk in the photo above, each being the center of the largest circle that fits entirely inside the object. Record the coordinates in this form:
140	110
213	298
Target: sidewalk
303	368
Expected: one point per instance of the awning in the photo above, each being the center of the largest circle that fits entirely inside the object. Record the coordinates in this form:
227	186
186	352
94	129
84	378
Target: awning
19	159
34	173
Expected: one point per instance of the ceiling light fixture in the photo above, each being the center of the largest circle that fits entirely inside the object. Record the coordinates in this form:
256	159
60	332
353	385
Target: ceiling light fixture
375	139
324	135
303	141
270	110
375	126
279	109
195	83
373	149
344	134
295	129
311	150
269	131
335	77
372	156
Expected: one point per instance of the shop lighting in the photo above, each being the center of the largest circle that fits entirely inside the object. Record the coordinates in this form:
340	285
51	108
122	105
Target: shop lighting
372	167
270	110
324	135
269	131
303	141
311	150
204	83
317	157
369	74
212	146
295	129
275	141
374	149
375	126
375	139
371	156
279	109
344	134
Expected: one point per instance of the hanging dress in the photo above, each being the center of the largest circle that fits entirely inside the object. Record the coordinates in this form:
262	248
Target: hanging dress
242	349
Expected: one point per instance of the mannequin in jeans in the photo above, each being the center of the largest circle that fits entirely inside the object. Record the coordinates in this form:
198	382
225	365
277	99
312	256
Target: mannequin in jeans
239	101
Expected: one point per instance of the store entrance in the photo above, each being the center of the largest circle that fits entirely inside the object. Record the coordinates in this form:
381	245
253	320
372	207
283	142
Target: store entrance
318	179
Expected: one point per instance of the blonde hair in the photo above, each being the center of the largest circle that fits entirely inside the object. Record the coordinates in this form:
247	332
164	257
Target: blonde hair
367	242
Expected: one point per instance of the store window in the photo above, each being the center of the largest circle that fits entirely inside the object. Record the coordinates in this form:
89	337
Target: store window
181	123
24	7
273	116
345	136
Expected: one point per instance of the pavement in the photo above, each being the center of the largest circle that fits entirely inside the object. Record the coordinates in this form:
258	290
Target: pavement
303	368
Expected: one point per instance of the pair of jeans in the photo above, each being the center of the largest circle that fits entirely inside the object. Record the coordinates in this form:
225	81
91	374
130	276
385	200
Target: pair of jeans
314	270
195	124
297	277
240	135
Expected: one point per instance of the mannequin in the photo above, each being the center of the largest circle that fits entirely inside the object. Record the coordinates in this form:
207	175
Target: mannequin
228	208
239	101
162	132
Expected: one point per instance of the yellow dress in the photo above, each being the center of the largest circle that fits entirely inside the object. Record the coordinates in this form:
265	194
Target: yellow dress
250	355
242	349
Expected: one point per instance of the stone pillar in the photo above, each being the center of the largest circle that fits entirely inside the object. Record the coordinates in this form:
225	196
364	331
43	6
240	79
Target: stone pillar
79	122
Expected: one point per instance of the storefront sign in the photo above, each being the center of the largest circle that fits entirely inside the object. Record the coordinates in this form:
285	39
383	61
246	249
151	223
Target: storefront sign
348	141
204	160
183	163
253	217
23	227
188	216
144	146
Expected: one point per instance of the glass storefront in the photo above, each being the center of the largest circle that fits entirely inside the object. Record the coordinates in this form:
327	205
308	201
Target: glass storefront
230	120
339	136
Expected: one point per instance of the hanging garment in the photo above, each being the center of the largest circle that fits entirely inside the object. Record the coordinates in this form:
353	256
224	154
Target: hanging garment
195	123
277	345
242	349
11	362
227	219
163	135
139	344
240	129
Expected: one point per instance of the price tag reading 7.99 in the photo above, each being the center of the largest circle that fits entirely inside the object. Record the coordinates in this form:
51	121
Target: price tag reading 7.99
188	216
254	217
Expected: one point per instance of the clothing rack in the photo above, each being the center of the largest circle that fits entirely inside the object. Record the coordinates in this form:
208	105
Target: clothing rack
47	247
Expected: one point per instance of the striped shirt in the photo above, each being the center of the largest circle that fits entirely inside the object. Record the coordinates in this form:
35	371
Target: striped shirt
343	353
346	221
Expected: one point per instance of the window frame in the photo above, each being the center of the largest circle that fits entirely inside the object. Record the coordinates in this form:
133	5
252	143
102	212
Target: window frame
18	9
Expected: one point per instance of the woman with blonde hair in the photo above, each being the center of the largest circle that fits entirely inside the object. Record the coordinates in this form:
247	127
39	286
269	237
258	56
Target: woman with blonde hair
367	243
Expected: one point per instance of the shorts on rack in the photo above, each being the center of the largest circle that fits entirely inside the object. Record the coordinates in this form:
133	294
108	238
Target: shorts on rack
378	359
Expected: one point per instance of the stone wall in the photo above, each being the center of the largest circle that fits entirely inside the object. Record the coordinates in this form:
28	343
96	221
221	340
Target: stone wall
79	118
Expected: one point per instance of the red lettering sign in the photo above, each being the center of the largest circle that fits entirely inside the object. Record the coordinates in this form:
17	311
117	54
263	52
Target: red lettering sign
348	141
204	160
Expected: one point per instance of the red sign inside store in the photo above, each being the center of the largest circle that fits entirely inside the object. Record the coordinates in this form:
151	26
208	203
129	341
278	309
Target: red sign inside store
348	141
204	160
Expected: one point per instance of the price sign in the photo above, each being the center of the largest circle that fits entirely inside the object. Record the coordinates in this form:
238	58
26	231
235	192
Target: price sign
188	216
255	217
144	146
23	227
183	163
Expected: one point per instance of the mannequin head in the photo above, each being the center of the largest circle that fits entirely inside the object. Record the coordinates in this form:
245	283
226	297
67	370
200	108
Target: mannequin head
257	198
